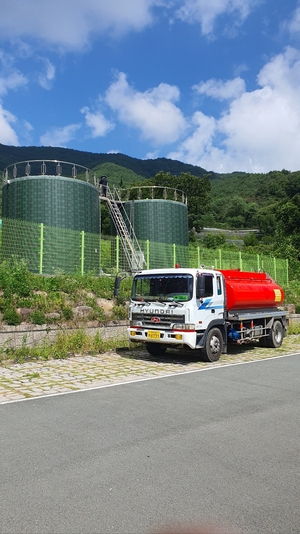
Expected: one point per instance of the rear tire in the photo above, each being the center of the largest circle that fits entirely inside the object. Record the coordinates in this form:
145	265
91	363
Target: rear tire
263	341
213	347
156	349
275	336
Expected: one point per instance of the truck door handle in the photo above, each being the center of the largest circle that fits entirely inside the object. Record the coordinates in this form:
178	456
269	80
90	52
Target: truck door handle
213	311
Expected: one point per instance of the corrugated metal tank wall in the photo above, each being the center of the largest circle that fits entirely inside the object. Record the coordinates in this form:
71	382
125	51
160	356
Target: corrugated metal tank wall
161	221
57	202
54	201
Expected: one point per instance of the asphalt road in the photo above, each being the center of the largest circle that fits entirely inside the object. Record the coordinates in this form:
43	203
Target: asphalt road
220	446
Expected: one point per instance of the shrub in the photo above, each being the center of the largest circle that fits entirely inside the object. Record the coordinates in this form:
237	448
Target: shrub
11	317
15	278
67	314
38	317
119	312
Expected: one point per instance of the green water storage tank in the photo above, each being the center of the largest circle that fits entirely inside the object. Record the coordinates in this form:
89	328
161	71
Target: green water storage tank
52	200
161	221
67	207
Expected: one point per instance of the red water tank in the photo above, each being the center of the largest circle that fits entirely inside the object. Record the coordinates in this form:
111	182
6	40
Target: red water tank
245	290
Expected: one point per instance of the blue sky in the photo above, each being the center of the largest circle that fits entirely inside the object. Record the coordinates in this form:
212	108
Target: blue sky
214	83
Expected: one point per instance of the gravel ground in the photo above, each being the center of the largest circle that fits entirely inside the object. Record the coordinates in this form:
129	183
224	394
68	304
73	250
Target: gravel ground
40	378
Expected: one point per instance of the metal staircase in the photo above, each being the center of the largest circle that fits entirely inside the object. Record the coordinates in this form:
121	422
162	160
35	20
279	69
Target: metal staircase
132	250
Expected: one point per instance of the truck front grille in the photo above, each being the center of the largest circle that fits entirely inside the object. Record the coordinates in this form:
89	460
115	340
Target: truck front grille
151	320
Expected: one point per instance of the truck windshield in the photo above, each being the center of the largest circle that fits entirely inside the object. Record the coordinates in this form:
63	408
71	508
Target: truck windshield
166	287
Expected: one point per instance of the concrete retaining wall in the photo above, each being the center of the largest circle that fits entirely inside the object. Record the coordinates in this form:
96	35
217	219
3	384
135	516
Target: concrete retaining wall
32	335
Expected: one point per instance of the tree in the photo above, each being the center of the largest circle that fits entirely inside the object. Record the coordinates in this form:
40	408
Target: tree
214	241
198	191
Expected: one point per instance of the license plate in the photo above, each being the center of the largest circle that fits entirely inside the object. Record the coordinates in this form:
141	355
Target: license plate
153	335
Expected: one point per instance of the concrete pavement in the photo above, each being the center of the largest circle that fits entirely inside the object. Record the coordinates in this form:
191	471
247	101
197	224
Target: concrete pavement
40	378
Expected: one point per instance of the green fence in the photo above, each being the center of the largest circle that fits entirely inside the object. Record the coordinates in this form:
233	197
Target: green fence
49	250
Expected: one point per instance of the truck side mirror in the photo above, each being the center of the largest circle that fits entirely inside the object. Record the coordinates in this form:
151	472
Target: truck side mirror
200	287
117	285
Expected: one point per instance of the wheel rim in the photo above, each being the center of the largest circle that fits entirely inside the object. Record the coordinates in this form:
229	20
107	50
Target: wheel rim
278	334
214	345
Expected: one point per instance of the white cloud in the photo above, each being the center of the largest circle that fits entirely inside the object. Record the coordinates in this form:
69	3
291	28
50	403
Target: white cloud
7	134
259	131
152	155
59	136
10	77
206	11
46	78
221	90
98	124
200	143
293	25
70	24
12	81
152	112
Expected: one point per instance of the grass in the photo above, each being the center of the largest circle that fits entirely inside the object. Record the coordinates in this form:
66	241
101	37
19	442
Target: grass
67	344
37	299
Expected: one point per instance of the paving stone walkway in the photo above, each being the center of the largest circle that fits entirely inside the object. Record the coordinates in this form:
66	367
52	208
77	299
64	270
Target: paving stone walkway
39	378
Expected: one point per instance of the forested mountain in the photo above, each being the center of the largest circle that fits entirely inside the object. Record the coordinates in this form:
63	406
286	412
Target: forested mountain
145	168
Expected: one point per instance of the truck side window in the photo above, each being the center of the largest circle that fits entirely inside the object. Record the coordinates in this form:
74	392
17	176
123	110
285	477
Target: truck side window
208	286
219	286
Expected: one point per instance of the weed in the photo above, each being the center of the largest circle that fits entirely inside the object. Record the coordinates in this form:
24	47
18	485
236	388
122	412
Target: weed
38	317
119	312
11	317
67	313
15	278
294	328
32	375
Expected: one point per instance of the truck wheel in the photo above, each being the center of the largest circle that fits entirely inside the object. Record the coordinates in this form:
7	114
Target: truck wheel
275	337
212	349
263	341
156	349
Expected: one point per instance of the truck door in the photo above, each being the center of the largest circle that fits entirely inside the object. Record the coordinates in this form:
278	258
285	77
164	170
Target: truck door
210	298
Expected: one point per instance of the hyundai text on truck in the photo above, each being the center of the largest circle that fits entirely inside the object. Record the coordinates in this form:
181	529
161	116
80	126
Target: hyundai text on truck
204	310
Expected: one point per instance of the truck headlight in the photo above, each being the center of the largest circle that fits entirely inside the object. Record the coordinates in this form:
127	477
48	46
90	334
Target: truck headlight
184	326
137	324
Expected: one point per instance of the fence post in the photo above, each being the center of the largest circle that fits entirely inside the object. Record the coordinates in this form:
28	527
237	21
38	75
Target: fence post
287	272
240	261
117	253
148	254
82	253
198	252
258	267
174	254
275	268
220	258
41	248
100	255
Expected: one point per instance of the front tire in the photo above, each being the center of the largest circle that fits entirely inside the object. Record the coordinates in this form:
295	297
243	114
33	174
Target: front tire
275	336
156	349
213	347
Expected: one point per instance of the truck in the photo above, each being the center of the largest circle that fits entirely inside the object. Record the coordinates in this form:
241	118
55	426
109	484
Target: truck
205	310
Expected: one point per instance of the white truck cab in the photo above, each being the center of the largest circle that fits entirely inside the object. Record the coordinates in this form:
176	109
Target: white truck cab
173	307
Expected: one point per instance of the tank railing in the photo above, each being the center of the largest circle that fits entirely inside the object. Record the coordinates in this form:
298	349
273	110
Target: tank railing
50	167
157	192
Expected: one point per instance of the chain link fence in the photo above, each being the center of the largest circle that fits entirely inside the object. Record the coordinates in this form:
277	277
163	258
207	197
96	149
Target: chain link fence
50	250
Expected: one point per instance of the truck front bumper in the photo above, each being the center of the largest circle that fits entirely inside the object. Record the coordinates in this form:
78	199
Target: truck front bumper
166	337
